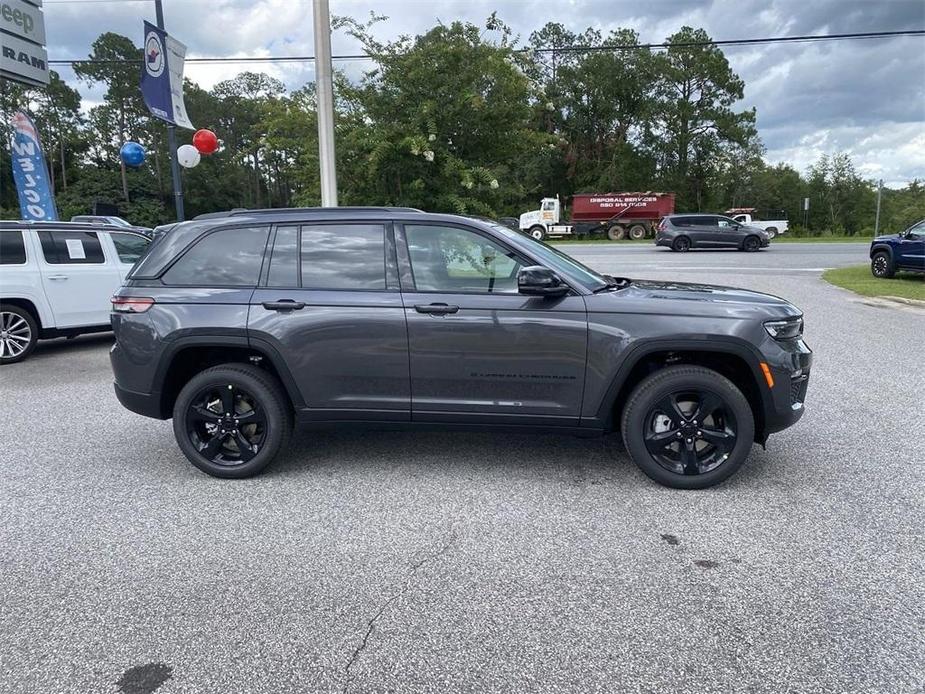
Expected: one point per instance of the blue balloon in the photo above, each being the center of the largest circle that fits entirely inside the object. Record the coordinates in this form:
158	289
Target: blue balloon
133	154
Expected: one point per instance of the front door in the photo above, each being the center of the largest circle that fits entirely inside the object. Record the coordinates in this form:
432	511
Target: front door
730	233
77	277
479	350
329	304
911	249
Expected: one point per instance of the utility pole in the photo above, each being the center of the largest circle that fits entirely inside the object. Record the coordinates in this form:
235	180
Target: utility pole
324	89
171	136
877	219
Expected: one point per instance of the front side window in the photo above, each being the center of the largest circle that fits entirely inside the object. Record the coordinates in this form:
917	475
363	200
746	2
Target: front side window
343	256
129	247
224	258
71	247
917	231
12	248
447	259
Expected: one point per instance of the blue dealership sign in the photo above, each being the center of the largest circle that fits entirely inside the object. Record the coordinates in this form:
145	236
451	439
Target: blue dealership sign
162	77
30	173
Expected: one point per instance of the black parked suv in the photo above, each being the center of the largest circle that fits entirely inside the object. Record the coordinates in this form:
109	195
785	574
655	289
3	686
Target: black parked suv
681	232
240	325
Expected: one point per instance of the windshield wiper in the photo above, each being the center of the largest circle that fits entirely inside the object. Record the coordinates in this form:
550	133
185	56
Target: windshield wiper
612	284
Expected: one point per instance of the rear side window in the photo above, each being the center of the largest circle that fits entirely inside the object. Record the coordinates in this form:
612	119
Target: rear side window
224	258
348	256
71	247
284	263
706	221
682	221
130	247
12	248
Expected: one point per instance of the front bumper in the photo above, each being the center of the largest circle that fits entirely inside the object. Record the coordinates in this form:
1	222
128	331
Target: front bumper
791	371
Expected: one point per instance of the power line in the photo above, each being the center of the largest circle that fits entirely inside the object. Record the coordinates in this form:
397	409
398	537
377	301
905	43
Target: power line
811	38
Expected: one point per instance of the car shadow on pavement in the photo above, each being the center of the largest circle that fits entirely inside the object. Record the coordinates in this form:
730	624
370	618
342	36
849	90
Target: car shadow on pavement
78	345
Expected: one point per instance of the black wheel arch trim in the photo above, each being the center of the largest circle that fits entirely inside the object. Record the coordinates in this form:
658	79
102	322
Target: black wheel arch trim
716	344
877	248
261	347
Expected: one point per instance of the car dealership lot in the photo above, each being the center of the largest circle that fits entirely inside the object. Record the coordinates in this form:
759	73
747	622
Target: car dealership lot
385	561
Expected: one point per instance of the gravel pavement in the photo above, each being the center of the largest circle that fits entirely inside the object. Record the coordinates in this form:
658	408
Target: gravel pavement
399	562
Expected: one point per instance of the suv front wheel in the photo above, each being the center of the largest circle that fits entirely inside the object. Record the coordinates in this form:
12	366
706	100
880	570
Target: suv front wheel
232	420
688	427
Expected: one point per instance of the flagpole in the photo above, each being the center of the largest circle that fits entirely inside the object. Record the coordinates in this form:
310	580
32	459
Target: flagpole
172	137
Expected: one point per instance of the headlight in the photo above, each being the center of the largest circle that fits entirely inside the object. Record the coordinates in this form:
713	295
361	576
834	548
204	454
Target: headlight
785	329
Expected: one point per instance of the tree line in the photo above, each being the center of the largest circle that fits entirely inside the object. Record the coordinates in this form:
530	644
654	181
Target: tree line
461	119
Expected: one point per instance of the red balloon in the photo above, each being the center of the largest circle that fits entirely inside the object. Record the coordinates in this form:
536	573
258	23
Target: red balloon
205	141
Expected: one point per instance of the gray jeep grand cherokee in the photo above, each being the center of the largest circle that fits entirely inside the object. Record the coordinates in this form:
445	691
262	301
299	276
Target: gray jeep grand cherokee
241	324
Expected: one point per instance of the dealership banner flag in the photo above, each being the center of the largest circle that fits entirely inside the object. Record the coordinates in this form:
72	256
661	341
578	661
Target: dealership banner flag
162	77
30	173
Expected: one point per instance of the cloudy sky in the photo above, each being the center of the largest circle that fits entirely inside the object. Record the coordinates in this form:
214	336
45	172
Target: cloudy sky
863	97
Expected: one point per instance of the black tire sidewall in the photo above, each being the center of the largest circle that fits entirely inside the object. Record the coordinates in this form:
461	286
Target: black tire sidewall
888	271
268	394
672	379
542	233
639	230
751	240
681	244
33	331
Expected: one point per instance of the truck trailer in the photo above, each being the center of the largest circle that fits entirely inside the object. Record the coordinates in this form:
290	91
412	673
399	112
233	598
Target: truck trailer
617	215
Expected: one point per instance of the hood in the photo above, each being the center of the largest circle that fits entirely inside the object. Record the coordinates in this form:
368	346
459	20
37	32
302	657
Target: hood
887	237
648	296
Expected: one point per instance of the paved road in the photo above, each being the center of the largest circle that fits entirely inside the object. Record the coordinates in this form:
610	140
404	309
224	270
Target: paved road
466	562
635	260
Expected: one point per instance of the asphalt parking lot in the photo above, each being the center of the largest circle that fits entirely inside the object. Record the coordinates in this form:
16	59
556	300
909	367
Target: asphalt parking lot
368	562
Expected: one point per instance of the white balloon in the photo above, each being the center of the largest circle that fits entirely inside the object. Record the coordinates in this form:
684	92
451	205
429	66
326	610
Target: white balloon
188	156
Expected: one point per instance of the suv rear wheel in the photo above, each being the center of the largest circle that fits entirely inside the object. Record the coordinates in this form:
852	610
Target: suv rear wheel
682	244
688	427
18	334
232	420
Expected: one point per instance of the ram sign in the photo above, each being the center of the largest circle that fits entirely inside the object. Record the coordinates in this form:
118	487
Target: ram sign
22	42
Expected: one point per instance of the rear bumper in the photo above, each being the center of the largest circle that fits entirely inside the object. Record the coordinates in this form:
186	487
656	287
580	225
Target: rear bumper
147	404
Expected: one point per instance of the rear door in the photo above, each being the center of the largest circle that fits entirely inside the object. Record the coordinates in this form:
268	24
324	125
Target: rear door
329	304
704	231
78	276
480	351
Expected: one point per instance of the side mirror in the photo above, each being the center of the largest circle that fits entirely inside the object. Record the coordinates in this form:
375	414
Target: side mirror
537	280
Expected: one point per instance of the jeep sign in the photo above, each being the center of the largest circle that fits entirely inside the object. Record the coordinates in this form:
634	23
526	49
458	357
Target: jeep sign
22	40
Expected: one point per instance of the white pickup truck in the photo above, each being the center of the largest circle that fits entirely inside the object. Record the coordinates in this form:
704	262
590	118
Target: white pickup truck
746	216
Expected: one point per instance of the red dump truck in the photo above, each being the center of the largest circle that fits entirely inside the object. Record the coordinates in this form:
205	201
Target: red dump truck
617	215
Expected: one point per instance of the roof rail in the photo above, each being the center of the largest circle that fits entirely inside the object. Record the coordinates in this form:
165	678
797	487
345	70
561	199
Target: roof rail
301	210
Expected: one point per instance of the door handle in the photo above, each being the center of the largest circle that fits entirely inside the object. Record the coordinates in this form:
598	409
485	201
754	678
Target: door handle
283	305
57	277
436	309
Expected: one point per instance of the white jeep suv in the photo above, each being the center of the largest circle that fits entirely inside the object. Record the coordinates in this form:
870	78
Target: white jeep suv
56	279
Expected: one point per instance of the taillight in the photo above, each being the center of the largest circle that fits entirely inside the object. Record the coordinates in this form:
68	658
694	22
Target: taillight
662	225
131	304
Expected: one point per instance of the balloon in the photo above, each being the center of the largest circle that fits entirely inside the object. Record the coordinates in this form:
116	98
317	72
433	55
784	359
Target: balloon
132	153
205	141
188	156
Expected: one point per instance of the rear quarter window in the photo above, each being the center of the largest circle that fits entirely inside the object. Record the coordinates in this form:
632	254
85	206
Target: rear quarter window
12	248
223	258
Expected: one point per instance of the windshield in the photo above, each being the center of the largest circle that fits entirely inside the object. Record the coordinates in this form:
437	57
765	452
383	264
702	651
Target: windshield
553	257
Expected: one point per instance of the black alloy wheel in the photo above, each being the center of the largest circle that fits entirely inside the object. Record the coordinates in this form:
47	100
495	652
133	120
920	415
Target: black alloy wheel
681	244
881	266
690	432
751	244
226	424
688	427
232	420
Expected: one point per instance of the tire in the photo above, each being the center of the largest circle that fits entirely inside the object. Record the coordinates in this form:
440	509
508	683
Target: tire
682	244
19	334
637	232
751	244
537	232
772	232
616	232
731	426
882	266
254	393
